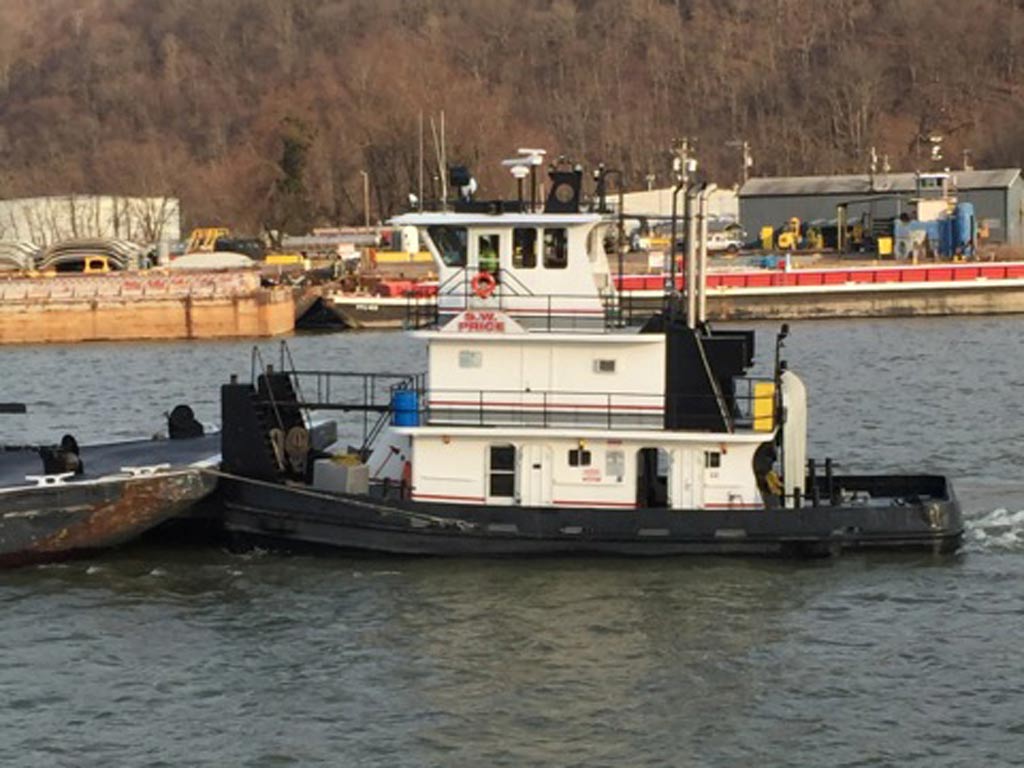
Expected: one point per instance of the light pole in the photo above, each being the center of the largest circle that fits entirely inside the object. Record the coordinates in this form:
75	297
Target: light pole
366	198
747	160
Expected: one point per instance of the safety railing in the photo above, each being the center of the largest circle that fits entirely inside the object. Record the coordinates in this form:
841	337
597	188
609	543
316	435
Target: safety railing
751	405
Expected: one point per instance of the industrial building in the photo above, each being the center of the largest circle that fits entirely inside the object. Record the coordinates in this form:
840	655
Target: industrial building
997	196
722	203
48	220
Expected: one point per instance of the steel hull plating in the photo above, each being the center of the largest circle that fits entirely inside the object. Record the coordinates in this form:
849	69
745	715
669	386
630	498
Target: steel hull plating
292	516
38	524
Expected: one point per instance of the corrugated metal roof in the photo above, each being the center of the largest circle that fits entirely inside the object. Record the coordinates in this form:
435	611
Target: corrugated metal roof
860	183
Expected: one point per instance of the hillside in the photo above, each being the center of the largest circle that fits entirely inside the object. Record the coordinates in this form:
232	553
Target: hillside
264	112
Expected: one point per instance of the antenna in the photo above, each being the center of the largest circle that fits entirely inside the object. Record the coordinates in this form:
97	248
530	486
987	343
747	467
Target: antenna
442	170
420	164
527	160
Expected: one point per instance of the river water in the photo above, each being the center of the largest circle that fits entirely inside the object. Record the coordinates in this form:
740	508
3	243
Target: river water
161	657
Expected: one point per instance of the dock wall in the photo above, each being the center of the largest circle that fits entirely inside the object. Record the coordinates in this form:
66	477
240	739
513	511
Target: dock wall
142	307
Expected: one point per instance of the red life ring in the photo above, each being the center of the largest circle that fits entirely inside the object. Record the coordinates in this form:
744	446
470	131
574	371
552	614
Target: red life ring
484	284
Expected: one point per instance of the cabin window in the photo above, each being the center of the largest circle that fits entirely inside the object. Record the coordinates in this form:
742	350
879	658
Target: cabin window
524	248
556	249
712	459
615	465
579	457
604	366
503	471
487	253
470	358
450	243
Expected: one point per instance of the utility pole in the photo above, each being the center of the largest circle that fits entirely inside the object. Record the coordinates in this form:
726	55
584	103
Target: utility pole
366	198
419	189
746	160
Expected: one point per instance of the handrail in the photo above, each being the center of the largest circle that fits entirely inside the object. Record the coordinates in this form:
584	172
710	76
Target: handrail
286	357
547	408
264	368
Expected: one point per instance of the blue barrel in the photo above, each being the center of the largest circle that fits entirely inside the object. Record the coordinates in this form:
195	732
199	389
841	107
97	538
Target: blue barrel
405	408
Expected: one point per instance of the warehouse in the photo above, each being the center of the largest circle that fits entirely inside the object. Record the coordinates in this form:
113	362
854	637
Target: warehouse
997	196
48	220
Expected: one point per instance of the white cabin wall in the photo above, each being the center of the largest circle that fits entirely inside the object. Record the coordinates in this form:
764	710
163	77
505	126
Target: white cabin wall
450	472
732	483
453	469
553	366
500	365
593	485
456	472
639	368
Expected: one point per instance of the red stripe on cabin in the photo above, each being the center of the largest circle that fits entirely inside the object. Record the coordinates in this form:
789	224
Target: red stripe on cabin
447	496
549	406
592	503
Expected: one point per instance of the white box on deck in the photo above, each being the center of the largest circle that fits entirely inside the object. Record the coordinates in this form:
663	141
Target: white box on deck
329	475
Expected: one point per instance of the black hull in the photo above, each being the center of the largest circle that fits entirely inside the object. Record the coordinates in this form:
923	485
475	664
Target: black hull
256	511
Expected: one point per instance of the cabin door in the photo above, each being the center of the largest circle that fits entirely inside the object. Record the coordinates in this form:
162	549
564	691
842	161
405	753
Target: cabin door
536	476
690	480
653	478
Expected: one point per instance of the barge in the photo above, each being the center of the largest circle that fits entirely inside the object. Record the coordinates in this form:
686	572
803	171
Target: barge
543	427
64	501
142	305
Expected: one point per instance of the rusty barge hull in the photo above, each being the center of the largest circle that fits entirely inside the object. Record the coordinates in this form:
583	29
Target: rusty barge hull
53	522
142	306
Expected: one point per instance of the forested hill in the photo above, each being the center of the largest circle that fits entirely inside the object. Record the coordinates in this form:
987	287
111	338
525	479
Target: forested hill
262	112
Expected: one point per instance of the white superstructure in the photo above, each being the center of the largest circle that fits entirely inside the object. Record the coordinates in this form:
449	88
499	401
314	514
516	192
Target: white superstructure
519	407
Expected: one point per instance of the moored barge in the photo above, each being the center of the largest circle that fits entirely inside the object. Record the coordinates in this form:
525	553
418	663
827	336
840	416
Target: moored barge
64	501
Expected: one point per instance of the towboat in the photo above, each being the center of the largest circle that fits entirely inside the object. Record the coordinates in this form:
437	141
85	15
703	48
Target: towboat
542	426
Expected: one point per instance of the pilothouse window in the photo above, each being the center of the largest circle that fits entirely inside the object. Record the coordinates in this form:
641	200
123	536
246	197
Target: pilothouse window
524	248
487	252
556	249
450	243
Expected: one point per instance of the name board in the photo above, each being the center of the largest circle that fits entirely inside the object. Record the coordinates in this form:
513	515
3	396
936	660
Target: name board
483	321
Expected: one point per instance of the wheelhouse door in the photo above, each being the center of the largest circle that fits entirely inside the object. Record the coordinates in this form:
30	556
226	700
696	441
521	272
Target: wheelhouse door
488	254
535	489
689	482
